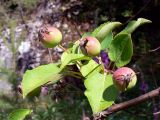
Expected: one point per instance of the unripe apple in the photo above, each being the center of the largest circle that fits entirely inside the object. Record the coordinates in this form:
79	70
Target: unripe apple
90	46
124	78
49	36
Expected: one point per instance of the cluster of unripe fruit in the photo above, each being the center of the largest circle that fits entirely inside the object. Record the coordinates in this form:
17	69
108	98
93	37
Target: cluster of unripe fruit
123	78
51	37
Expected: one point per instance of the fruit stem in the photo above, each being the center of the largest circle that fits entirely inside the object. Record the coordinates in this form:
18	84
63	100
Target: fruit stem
114	65
73	74
76	73
64	49
100	60
50	55
109	65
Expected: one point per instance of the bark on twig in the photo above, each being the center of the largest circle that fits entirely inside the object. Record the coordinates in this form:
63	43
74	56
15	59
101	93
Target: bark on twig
154	49
127	104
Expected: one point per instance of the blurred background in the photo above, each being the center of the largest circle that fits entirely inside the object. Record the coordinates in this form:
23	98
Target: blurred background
20	50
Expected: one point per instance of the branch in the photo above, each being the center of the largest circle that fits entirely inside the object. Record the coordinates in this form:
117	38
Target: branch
130	103
154	49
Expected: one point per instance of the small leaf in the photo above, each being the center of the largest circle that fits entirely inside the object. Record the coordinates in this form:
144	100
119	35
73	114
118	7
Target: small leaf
19	114
133	25
100	91
72	58
103	30
39	76
121	49
75	47
89	67
107	41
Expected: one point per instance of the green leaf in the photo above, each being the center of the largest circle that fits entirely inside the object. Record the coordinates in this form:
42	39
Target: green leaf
75	47
39	76
72	58
100	91
72	48
121	49
19	114
133	25
103	30
88	67
63	56
107	41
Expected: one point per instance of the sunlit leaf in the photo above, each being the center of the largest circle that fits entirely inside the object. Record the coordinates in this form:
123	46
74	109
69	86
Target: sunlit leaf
19	114
88	67
72	58
100	91
39	76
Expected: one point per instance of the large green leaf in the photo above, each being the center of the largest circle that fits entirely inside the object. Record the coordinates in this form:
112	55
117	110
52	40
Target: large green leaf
121	49
132	25
88	67
103	30
69	57
100	91
39	76
19	114
106	41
